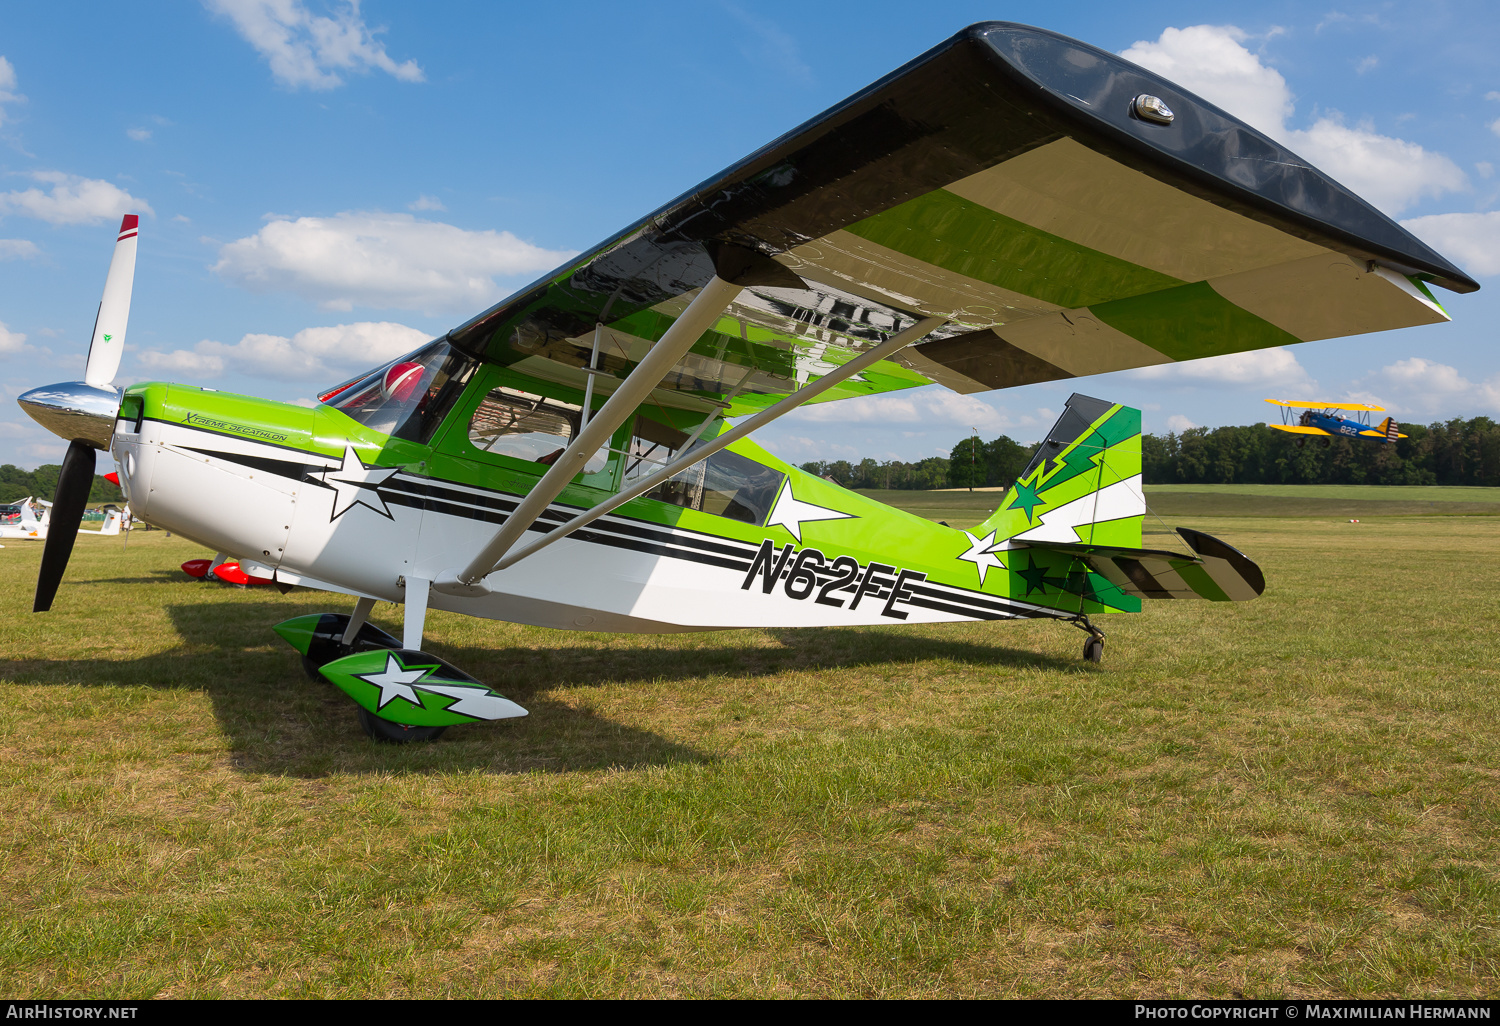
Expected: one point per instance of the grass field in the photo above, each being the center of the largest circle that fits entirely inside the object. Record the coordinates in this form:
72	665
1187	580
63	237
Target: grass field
1294	796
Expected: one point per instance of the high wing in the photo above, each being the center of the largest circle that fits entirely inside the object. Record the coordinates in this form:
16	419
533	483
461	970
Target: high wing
1062	211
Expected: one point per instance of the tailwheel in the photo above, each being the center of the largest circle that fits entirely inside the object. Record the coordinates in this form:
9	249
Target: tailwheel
395	733
1093	650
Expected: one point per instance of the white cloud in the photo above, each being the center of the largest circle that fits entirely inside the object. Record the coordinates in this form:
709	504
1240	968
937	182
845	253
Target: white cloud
1495	126
7	87
1210	60
768	45
382	260
1485	168
1263	367
1473	240
1421	387
317	356
1178	423
1369	63
1391	173
425	202
18	249
28	445
11	342
306	49
72	200
797	449
932	406
138	134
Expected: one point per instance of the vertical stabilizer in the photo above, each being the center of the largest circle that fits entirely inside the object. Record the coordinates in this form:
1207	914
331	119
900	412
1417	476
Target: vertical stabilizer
1083	486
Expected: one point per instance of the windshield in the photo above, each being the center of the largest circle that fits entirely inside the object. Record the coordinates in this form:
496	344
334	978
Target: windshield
408	397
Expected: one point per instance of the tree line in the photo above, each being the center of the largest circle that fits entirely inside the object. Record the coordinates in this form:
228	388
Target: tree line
1454	452
41	483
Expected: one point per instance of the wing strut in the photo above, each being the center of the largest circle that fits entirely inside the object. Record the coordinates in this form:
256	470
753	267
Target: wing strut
700	315
703	452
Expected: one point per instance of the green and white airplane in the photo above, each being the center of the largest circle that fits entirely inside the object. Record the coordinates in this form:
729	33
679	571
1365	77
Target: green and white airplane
1011	207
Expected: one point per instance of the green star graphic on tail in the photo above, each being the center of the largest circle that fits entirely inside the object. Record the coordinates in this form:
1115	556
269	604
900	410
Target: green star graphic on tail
1036	577
1027	499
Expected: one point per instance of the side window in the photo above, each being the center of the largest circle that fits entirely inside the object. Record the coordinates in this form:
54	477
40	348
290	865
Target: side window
510	422
726	484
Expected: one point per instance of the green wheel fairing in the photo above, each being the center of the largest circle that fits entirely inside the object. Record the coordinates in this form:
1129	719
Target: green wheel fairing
417	689
298	631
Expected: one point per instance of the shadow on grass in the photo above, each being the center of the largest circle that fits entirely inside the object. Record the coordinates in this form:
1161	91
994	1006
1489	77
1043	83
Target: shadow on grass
278	721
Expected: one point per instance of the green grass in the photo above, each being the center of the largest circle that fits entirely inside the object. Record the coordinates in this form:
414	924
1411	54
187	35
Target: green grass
1293	796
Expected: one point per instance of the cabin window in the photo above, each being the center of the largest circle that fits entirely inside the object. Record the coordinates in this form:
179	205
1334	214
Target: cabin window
409	397
533	428
726	484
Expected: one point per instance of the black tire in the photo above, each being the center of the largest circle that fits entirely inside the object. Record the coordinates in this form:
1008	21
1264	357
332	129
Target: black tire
395	733
1093	650
311	669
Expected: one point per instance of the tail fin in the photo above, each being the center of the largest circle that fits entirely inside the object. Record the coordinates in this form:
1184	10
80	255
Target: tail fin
1390	429
1083	486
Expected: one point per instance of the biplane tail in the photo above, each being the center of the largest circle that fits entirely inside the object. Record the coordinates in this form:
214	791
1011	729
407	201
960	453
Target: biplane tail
1390	429
1081	498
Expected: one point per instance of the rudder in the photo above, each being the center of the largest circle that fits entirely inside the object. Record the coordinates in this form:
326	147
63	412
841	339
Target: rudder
1083	485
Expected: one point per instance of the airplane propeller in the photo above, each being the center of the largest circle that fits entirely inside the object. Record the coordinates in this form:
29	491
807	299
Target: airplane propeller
83	412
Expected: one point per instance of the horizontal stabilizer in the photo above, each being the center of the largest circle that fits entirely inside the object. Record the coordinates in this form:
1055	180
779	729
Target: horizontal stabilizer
1215	571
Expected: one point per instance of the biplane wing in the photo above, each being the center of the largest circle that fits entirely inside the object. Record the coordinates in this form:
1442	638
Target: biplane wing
1298	404
1061	210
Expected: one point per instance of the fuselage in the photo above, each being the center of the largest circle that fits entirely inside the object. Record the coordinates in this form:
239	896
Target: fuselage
331	501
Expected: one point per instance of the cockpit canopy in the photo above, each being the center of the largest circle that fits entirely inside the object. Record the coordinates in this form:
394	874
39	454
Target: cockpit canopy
408	397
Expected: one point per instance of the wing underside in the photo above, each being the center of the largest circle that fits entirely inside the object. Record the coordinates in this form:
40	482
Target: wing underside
1002	183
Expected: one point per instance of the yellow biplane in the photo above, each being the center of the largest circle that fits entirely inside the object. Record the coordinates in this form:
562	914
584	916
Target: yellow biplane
1327	420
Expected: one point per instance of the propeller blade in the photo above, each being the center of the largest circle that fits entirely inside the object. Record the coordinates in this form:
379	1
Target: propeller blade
114	309
73	486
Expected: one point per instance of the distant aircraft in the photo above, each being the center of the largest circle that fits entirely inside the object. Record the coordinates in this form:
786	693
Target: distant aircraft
20	520
1324	420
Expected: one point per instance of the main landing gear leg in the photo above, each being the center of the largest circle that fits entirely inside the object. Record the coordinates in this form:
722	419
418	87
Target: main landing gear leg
416	613
1093	648
361	615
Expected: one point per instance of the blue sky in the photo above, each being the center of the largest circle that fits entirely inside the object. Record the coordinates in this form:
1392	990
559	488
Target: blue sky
323	185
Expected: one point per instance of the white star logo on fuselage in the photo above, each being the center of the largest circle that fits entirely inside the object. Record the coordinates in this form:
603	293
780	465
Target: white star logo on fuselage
355	484
980	555
791	513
